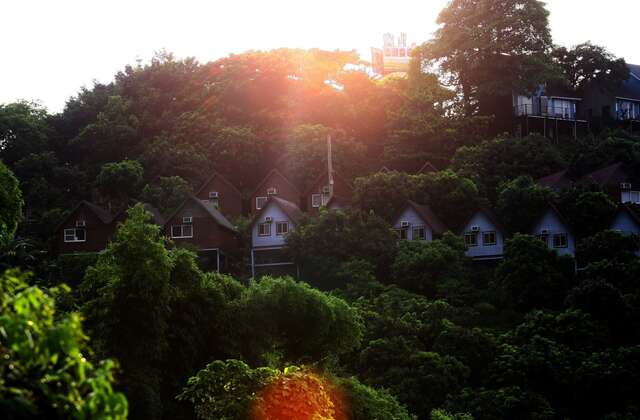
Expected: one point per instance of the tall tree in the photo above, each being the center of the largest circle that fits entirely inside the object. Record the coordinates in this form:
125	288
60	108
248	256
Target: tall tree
128	315
587	63
488	49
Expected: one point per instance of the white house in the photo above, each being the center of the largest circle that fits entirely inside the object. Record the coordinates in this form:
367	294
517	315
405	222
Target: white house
626	221
553	230
484	236
416	222
269	228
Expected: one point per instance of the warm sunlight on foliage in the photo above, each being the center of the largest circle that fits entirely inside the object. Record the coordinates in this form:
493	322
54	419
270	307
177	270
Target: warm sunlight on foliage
299	395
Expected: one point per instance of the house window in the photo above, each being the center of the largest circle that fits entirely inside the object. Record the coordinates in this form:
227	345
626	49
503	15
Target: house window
272	191
75	235
260	202
488	238
264	229
471	239
544	238
404	233
316	200
182	231
631	197
560	240
282	228
419	233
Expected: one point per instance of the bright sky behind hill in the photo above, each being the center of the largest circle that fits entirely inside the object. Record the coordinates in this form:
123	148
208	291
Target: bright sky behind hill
50	49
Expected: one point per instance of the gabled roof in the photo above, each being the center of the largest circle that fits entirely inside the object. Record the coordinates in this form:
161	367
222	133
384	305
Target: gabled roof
210	210
427	215
336	199
631	87
607	175
214	175
292	211
322	176
274	172
554	210
555	181
427	168
626	208
489	215
104	215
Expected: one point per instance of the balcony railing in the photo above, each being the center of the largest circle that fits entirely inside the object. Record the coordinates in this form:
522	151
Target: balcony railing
549	111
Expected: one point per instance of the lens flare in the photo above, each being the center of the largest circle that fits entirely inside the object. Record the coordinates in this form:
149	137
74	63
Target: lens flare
299	395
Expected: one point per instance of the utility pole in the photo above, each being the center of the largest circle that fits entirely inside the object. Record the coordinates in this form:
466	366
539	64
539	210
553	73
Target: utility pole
330	165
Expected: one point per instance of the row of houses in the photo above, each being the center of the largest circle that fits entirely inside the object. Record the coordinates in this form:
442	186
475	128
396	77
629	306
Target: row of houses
555	111
202	221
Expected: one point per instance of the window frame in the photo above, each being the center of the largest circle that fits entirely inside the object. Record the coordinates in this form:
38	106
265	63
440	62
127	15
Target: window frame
473	235
560	235
314	203
282	223
495	238
267	230
264	199
75	230
419	228
182	227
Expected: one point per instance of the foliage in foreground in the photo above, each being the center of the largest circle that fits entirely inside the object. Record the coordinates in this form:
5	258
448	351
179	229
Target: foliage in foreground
44	371
230	389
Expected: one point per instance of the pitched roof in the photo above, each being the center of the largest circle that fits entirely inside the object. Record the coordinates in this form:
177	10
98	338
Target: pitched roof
427	168
489	215
272	172
292	211
556	211
210	210
105	216
427	215
225	180
555	181
630	88
626	208
606	175
322	176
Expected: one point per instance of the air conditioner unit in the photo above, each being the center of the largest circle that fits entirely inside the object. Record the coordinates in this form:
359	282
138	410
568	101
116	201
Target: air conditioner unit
625	185
544	232
214	195
187	219
80	223
404	224
272	191
475	228
326	189
268	219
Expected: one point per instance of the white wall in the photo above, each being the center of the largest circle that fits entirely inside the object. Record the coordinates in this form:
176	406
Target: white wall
410	215
480	251
624	223
277	215
551	222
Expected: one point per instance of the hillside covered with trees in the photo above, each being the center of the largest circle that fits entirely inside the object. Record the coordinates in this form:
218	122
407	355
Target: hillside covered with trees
374	327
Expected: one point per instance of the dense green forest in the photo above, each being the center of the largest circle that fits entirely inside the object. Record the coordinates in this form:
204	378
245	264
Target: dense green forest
374	328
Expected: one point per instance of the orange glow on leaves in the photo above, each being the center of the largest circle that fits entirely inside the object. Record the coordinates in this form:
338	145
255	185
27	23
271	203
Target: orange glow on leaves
300	395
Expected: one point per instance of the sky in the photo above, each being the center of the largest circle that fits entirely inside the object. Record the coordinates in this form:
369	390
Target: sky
50	49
